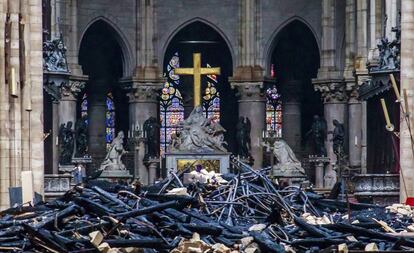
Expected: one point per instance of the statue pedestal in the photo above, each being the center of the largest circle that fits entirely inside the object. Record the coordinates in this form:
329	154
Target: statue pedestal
115	175
66	168
292	177
217	161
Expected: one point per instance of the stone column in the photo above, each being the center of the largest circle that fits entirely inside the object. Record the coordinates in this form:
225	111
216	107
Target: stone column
97	121
291	114
252	105
335	107
407	83
143	103
355	126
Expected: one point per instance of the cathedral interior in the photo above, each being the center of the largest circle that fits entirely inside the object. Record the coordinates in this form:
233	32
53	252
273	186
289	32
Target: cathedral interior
134	89
287	69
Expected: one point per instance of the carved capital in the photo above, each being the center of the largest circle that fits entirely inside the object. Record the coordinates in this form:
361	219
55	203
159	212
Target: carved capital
143	91
332	90
249	90
72	88
351	88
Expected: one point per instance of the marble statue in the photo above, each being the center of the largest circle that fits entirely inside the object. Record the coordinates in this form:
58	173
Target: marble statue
113	160
54	56
287	163
152	137
319	134
199	134
66	143
243	128
81	129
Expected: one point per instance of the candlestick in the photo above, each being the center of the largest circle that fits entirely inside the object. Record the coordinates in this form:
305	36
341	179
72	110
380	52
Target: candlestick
407	109
388	126
394	86
13	84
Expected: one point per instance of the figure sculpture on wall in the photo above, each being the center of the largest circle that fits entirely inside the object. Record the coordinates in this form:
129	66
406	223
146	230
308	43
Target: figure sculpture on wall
287	163
81	129
152	138
243	128
338	138
113	157
66	143
319	133
54	56
199	134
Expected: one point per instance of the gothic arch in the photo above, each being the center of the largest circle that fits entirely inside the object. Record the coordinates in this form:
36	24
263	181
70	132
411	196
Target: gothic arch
127	55
273	40
177	29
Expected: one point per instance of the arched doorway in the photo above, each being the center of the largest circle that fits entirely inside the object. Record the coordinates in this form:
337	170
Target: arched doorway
177	96
104	104
294	62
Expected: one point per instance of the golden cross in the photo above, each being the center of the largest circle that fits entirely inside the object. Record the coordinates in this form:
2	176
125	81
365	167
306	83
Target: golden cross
197	71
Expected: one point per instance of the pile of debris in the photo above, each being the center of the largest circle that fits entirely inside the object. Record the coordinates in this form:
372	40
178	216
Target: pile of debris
246	212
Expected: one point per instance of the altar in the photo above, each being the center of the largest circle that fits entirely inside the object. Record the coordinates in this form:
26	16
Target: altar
217	161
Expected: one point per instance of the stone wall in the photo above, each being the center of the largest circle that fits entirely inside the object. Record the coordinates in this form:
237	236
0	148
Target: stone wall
21	100
171	16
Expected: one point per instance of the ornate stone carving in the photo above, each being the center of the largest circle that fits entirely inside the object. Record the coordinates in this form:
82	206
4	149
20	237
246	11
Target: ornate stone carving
54	56
243	128
352	90
387	56
113	160
319	131
66	143
81	130
199	134
64	88
249	90
152	138
334	91
142	91
288	165
72	88
338	139
53	90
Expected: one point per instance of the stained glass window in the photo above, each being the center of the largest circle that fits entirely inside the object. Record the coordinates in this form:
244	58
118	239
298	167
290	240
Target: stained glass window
274	111
110	120
84	108
211	98
109	117
171	106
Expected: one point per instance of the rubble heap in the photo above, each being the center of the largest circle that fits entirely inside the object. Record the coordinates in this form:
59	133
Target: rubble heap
246	212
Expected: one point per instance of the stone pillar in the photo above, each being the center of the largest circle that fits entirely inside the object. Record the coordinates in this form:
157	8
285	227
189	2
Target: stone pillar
252	105
335	107
291	114
355	127
97	121
407	83
143	103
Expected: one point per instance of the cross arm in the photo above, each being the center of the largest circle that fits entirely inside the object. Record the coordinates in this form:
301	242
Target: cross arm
210	71
184	71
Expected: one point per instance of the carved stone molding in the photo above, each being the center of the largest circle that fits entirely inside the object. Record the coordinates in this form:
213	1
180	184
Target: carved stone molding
351	88
54	56
332	90
72	88
61	86
144	91
249	90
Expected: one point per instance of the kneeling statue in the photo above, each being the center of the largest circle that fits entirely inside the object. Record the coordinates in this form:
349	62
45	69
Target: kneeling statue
288	165
113	157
